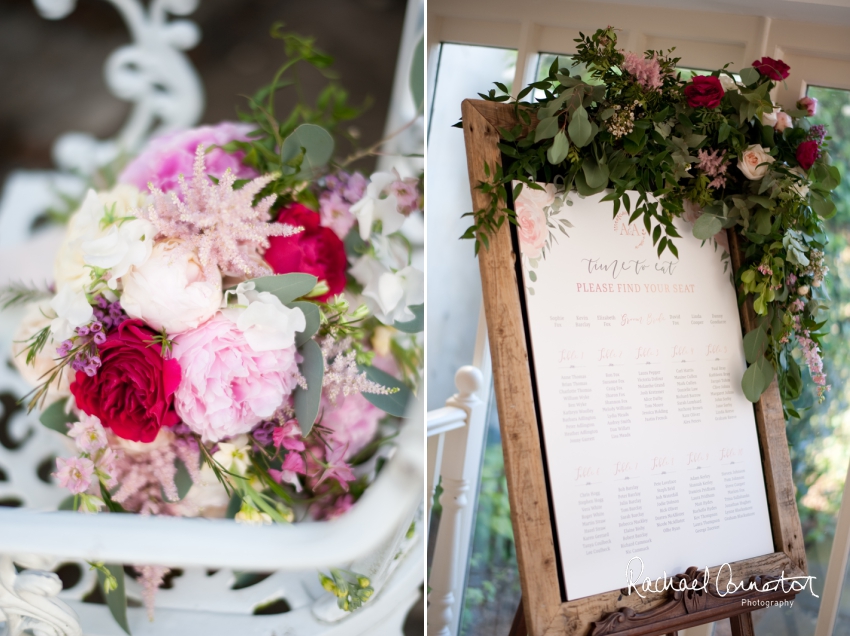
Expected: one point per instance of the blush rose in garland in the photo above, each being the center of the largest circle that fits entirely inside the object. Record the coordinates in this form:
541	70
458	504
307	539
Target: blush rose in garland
133	391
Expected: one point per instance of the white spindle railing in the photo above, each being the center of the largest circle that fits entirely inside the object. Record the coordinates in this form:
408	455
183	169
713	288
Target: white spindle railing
449	433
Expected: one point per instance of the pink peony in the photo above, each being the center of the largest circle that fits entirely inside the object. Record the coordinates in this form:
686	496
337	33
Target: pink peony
353	421
167	157
74	473
533	231
227	386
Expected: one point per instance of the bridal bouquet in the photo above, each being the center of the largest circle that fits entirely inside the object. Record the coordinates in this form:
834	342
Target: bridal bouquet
230	326
713	149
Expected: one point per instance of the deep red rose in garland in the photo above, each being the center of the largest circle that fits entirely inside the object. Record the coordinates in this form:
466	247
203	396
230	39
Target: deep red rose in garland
807	153
773	69
704	91
317	250
132	392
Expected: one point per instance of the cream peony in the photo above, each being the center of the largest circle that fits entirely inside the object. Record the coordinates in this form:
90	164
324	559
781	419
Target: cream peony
35	319
169	291
70	267
266	323
753	162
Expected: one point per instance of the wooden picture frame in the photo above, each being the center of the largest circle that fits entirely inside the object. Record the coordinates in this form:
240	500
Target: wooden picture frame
545	610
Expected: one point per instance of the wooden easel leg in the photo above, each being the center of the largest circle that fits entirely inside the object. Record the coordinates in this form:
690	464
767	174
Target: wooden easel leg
742	625
518	626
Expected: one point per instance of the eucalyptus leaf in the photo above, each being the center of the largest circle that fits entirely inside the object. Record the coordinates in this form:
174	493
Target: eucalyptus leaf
707	226
579	128
307	400
116	600
546	129
182	479
318	147
55	418
558	150
749	75
417	74
313	317
595	174
755	344
287	287
395	403
417	324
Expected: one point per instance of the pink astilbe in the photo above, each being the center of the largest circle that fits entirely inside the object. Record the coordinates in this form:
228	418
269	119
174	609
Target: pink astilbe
341	372
150	578
147	471
218	223
714	165
646	71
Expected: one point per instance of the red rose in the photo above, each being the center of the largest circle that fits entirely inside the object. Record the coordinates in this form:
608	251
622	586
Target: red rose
317	250
704	91
807	153
132	392
773	69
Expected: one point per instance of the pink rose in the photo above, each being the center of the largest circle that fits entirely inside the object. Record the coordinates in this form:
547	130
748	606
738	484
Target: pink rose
808	104
531	218
167	157
227	386
783	121
353	420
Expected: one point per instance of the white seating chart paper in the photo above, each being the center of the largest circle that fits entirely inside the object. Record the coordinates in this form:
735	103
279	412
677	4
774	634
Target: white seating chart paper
651	446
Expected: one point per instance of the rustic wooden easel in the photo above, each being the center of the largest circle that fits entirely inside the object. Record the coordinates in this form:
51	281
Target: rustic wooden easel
543	612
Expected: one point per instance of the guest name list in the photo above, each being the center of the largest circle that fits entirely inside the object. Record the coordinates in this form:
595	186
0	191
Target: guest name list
651	446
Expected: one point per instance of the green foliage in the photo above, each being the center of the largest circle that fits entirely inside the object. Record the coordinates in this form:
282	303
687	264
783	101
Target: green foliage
603	129
350	588
295	146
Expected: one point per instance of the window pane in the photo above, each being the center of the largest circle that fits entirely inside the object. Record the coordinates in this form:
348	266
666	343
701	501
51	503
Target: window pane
454	287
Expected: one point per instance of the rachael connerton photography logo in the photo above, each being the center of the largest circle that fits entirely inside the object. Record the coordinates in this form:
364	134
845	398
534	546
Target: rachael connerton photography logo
644	585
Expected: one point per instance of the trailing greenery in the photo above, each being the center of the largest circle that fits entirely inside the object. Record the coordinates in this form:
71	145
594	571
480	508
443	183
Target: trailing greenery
665	147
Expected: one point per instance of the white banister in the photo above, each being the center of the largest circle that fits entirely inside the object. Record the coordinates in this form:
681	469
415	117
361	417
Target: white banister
836	568
448	435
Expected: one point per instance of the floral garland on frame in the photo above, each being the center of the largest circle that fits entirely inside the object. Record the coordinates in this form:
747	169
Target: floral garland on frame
712	149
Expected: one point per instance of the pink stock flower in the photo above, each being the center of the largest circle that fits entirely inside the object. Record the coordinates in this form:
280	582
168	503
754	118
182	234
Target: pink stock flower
288	436
293	465
227	387
74	473
88	434
336	468
647	72
353	422
329	510
407	193
173	154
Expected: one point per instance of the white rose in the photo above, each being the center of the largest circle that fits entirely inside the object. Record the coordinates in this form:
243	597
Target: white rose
769	119
122	246
373	208
388	294
35	319
266	323
728	83
72	310
84	225
753	162
169	291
